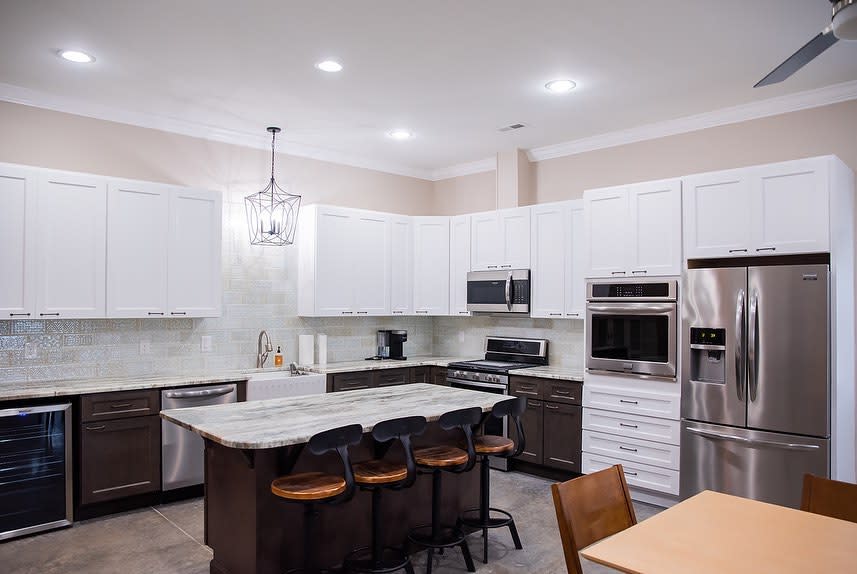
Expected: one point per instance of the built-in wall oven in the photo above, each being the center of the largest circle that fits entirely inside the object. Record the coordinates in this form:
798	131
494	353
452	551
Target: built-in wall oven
632	326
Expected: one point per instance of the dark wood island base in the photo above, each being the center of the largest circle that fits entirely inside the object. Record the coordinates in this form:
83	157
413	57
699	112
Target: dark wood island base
253	532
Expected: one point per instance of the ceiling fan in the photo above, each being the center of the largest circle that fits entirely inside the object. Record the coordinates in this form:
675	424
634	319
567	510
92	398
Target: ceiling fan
843	26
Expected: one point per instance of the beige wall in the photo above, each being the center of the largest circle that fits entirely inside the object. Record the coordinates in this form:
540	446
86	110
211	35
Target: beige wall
818	131
45	138
465	194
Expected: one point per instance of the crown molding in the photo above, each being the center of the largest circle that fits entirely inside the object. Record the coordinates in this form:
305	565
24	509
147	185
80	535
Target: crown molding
38	99
755	110
457	170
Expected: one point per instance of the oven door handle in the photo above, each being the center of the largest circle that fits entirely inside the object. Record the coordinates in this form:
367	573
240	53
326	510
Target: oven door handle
477	384
636	308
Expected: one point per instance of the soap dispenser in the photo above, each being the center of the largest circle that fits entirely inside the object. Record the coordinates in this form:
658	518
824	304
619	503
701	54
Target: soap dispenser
278	358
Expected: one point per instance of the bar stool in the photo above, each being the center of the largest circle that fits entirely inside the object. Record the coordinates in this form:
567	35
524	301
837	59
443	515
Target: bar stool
376	475
443	458
492	445
314	488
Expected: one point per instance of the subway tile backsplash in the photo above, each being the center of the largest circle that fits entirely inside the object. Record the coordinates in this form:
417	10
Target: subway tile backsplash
259	292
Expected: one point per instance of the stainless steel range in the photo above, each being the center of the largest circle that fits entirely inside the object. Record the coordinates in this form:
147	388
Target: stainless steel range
491	375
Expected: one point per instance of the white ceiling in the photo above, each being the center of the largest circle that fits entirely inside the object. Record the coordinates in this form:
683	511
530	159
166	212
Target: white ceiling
452	71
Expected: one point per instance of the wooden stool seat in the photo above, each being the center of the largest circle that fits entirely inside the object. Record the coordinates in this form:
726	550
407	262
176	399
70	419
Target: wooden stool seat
379	471
440	456
492	444
308	486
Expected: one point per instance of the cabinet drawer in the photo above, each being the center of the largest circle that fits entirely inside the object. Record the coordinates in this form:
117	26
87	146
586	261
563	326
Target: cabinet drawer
421	375
636	474
391	377
634	426
634	402
438	376
632	449
119	458
124	404
525	387
569	392
352	381
562	439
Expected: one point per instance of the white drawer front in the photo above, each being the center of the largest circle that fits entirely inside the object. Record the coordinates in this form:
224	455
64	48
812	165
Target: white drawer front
636	450
636	474
634	402
635	426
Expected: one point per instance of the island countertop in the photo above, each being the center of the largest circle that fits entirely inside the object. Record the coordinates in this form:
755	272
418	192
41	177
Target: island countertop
289	421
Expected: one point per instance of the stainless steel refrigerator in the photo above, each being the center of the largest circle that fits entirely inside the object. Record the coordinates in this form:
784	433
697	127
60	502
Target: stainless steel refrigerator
755	380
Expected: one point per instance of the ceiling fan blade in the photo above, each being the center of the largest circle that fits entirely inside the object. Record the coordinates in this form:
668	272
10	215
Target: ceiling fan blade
800	58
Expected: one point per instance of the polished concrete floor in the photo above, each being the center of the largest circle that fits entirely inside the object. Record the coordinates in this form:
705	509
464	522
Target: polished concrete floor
168	539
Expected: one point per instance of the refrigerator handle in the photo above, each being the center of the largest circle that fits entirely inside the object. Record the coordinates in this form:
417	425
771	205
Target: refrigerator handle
753	441
740	366
753	347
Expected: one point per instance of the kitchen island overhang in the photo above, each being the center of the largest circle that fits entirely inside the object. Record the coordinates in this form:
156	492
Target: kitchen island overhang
250	444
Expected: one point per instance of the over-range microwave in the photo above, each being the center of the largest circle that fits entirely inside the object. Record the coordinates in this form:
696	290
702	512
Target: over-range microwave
504	292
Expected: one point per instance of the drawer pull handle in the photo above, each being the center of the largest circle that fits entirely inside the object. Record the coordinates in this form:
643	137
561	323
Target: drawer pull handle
617	273
100	427
120	406
555	314
178	312
19	314
766	249
572	314
639	271
737	251
629	473
155	313
362	312
534	403
562	392
627	448
49	314
550	406
628	426
628	402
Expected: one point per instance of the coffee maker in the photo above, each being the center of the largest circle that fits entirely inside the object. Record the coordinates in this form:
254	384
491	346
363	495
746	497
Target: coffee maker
390	345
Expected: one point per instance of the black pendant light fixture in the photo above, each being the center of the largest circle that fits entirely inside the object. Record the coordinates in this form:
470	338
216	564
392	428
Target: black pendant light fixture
272	214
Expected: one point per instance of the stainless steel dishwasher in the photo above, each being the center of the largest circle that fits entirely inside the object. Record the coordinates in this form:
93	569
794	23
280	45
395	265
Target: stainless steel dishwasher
183	451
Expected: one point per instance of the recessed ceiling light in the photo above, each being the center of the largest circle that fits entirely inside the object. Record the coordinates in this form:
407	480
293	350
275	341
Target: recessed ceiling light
400	134
329	66
76	56
560	86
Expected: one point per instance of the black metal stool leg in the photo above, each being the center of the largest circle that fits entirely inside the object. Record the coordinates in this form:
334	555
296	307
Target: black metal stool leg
484	503
310	514
468	560
514	532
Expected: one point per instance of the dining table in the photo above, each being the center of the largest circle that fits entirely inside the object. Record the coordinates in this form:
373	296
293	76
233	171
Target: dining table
713	532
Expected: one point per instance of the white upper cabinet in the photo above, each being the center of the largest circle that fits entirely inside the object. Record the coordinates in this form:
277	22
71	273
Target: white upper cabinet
195	276
17	242
137	239
606	228
716	214
72	222
370	267
575	258
791	207
459	264
401	270
773	209
654	246
634	230
500	239
557	256
431	265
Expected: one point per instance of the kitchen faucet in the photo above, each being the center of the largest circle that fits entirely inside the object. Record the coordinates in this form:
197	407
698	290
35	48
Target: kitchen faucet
262	355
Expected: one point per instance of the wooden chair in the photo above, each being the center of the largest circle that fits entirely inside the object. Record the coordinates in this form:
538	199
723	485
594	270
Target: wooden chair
829	497
590	508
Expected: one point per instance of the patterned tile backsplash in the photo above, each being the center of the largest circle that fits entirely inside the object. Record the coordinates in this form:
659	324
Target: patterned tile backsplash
259	292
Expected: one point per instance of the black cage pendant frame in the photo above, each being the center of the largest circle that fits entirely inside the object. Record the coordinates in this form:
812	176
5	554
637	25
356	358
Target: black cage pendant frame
272	214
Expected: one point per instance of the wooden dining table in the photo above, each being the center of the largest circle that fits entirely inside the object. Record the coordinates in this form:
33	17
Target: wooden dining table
720	533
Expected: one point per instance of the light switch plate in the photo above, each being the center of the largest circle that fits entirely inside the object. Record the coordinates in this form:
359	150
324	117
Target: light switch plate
205	343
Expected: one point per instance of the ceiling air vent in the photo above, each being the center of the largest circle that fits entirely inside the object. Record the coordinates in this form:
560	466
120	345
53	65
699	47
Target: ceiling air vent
511	127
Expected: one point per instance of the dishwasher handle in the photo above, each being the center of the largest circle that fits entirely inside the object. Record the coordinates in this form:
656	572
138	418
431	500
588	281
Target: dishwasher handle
198	393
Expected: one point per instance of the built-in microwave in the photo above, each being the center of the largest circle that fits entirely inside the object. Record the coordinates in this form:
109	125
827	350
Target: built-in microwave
505	292
632	326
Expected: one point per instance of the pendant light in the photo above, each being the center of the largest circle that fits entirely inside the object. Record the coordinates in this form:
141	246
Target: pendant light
272	214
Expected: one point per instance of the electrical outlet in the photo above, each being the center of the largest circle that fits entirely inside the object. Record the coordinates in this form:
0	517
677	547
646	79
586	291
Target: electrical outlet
205	343
145	347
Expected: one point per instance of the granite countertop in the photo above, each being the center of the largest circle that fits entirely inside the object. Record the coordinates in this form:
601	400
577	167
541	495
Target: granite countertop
549	372
281	422
364	365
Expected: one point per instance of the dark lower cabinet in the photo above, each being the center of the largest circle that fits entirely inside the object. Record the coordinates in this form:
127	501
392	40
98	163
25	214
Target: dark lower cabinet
562	436
392	377
438	376
532	421
119	458
352	381
421	375
385	378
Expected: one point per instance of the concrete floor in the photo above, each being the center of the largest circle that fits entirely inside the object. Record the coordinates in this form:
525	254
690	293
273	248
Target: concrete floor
167	539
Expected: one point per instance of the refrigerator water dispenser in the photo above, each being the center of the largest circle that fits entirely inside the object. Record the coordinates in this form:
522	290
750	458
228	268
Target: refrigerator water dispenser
707	355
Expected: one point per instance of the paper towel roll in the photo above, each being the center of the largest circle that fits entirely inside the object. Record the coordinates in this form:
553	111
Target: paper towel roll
305	349
322	349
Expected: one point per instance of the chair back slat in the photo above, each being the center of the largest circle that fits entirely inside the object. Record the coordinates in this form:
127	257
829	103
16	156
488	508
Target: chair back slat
829	497
590	508
465	420
402	429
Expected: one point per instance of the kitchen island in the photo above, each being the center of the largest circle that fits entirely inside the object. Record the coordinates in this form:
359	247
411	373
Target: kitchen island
250	444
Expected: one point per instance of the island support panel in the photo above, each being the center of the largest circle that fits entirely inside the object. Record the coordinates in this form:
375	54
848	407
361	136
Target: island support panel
253	532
